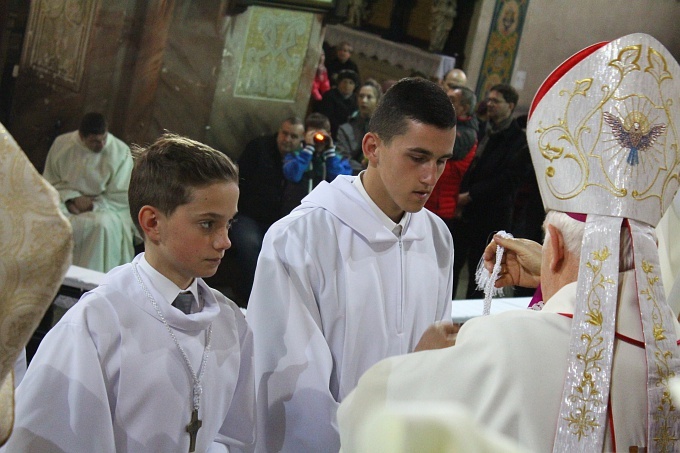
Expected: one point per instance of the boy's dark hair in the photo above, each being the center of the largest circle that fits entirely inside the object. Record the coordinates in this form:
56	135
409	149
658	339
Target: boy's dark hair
348	74
411	99
509	93
93	123
166	172
317	121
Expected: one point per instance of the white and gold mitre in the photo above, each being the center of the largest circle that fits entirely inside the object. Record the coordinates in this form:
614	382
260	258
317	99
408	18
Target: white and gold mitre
603	131
603	135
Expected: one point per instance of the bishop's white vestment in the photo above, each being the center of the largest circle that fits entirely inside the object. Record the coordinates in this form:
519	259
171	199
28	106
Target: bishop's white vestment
108	377
336	291
103	237
668	231
508	370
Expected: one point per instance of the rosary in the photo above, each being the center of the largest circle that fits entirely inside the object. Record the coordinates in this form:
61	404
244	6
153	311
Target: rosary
197	388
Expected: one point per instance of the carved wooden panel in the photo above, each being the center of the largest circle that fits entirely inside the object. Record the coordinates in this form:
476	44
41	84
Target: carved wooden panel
57	37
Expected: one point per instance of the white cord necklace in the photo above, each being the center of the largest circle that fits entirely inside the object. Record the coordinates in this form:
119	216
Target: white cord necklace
195	424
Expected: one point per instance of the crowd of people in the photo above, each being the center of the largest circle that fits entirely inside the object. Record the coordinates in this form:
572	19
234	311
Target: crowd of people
345	225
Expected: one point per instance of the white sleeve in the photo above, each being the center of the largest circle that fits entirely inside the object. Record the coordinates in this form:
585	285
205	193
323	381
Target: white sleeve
20	366
238	429
52	172
62	403
115	195
296	410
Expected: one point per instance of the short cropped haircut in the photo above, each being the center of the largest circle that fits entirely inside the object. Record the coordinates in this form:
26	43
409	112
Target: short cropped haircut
317	121
415	99
293	121
166	172
93	123
509	93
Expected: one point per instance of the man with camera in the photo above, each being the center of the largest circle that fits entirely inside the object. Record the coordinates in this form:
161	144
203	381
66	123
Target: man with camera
314	162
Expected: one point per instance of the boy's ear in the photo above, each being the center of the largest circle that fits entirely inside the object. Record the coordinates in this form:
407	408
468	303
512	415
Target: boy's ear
370	145
148	220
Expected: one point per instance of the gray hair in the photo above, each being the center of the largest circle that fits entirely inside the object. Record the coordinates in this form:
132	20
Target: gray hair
572	232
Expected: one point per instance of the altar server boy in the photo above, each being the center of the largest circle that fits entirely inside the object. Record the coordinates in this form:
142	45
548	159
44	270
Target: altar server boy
153	359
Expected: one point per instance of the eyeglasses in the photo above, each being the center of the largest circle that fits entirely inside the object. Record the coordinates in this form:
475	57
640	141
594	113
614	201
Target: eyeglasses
496	101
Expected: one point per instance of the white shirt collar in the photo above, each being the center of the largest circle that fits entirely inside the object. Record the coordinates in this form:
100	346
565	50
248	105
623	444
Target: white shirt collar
396	228
165	287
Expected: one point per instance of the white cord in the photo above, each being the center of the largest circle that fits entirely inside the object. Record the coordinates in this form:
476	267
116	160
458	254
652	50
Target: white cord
485	280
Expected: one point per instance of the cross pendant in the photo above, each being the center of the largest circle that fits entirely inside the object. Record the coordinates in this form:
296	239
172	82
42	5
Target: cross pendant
192	429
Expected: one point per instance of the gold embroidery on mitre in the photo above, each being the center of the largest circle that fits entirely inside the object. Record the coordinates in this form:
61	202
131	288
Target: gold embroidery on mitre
657	66
638	147
666	415
582	420
627	60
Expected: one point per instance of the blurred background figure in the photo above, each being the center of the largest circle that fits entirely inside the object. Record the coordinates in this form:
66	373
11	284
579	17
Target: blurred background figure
90	168
444	198
261	194
340	103
352	132
341	60
321	82
454	78
314	161
487	193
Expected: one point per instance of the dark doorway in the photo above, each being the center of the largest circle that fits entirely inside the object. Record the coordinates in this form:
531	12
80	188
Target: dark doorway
13	21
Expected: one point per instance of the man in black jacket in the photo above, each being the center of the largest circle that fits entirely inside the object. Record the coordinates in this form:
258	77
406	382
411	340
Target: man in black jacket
339	103
261	193
488	189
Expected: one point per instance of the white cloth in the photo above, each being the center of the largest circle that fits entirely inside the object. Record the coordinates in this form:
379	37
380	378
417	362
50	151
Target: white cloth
336	291
668	232
103	238
431	427
20	367
508	370
108	377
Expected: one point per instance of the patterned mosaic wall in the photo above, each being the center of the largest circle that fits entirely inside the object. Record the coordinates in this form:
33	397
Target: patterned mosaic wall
276	46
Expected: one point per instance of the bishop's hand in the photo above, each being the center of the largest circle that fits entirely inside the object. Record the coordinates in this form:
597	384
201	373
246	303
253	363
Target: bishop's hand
521	263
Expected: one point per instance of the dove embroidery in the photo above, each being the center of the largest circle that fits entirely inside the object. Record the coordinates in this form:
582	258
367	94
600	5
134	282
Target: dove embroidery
634	137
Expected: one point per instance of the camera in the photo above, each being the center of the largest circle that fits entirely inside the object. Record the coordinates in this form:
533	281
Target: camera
321	139
322	142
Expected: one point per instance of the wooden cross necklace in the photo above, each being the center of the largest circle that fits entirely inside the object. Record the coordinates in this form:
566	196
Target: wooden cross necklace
197	388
